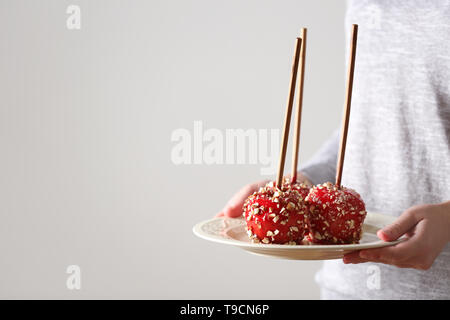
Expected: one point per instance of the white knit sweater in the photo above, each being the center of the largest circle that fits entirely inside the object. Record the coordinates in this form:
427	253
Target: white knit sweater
398	148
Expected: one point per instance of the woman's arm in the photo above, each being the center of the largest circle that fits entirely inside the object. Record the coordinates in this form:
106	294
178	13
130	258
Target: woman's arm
321	167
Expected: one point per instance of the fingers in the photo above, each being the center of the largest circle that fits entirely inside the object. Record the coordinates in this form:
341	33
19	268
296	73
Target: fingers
394	255
233	208
383	255
397	255
353	258
403	224
414	252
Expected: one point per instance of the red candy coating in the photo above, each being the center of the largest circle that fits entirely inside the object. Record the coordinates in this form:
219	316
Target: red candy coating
276	215
336	215
302	189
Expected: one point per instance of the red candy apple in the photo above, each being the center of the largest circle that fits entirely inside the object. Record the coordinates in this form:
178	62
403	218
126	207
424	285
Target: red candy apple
336	215
276	215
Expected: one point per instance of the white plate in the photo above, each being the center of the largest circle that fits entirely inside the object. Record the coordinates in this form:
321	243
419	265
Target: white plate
233	232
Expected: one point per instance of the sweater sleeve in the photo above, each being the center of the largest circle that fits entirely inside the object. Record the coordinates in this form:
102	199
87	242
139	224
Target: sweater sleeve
321	167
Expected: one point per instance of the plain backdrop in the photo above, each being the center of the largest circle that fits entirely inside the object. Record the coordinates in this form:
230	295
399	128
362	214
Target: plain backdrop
86	118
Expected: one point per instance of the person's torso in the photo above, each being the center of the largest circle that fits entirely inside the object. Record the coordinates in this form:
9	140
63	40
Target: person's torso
398	148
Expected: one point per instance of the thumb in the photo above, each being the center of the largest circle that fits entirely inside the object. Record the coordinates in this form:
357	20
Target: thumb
399	227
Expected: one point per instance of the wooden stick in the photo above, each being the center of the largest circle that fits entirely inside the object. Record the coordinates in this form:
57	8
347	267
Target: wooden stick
299	103
348	102
288	114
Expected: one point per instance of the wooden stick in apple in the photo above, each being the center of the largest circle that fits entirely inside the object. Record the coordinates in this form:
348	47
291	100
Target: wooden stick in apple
288	114
299	104
348	102
339	212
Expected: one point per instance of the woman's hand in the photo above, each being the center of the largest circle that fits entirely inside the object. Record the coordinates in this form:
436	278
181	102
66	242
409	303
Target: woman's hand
427	231
233	208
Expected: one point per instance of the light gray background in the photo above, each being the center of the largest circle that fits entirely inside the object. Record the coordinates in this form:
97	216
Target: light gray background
85	123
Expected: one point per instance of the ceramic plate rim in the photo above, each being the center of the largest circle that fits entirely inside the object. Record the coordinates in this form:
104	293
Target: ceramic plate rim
197	229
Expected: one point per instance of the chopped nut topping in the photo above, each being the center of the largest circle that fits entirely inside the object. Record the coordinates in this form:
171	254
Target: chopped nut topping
290	206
